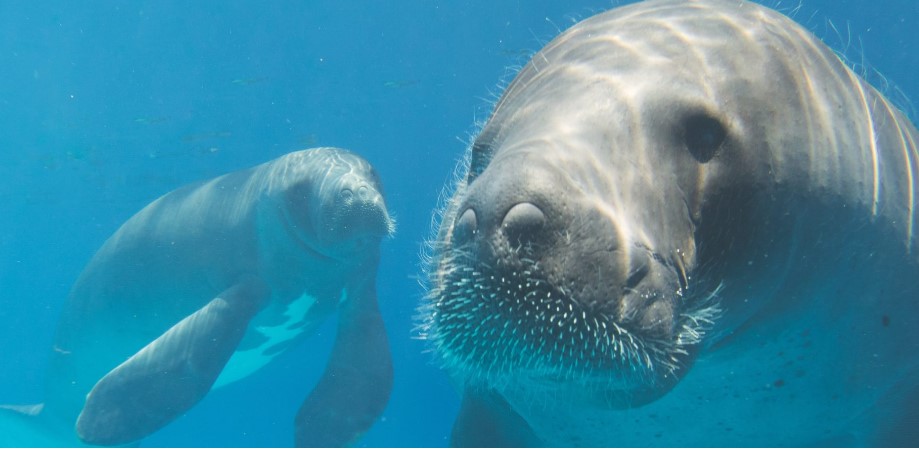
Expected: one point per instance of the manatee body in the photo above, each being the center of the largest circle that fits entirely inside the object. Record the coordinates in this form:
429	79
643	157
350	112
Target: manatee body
214	280
686	223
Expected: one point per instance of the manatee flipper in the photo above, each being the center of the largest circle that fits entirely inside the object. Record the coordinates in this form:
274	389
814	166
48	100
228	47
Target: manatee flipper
355	386
172	373
486	420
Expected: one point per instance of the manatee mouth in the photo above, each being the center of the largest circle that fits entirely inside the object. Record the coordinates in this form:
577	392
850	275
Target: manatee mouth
505	321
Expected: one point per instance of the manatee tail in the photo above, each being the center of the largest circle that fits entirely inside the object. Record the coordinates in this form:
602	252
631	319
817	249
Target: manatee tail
26	426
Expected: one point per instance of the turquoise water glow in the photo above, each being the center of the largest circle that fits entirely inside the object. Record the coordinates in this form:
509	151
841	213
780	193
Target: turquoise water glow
104	107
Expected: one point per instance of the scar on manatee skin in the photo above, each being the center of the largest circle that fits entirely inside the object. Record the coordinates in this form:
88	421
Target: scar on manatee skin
885	321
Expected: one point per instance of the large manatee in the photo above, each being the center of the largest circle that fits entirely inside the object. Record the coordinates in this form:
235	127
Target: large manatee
686	223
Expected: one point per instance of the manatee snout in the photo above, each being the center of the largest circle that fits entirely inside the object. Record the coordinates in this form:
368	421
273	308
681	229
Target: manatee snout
363	209
532	218
360	212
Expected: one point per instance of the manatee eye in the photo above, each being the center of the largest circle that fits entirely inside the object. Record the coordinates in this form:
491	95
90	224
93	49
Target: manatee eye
704	135
479	159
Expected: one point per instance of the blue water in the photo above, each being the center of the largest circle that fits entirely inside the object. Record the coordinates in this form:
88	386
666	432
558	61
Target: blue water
105	106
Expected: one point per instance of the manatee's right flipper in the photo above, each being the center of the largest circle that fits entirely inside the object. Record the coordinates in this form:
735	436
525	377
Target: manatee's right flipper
355	387
486	420
172	373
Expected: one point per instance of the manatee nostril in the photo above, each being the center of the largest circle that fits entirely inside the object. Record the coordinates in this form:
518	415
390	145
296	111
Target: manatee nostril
465	227
363	193
639	267
522	222
346	195
635	276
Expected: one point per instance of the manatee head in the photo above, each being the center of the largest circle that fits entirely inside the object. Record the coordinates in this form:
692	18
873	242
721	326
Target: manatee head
631	167
332	201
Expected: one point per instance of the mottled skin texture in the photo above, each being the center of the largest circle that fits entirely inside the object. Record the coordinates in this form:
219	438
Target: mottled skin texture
685	223
200	273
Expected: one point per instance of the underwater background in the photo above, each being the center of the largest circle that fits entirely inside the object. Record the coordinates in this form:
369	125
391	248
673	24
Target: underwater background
106	105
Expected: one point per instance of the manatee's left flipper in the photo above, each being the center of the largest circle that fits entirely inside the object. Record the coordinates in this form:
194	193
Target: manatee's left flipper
172	373
356	384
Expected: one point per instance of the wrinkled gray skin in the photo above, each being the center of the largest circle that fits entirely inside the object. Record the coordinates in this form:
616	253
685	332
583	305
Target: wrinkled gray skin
216	278
687	223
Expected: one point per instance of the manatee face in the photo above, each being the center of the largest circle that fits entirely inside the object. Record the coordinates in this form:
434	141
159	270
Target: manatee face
609	193
342	213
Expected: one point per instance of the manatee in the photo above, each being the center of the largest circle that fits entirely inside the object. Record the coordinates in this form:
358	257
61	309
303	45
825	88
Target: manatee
210	282
685	223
